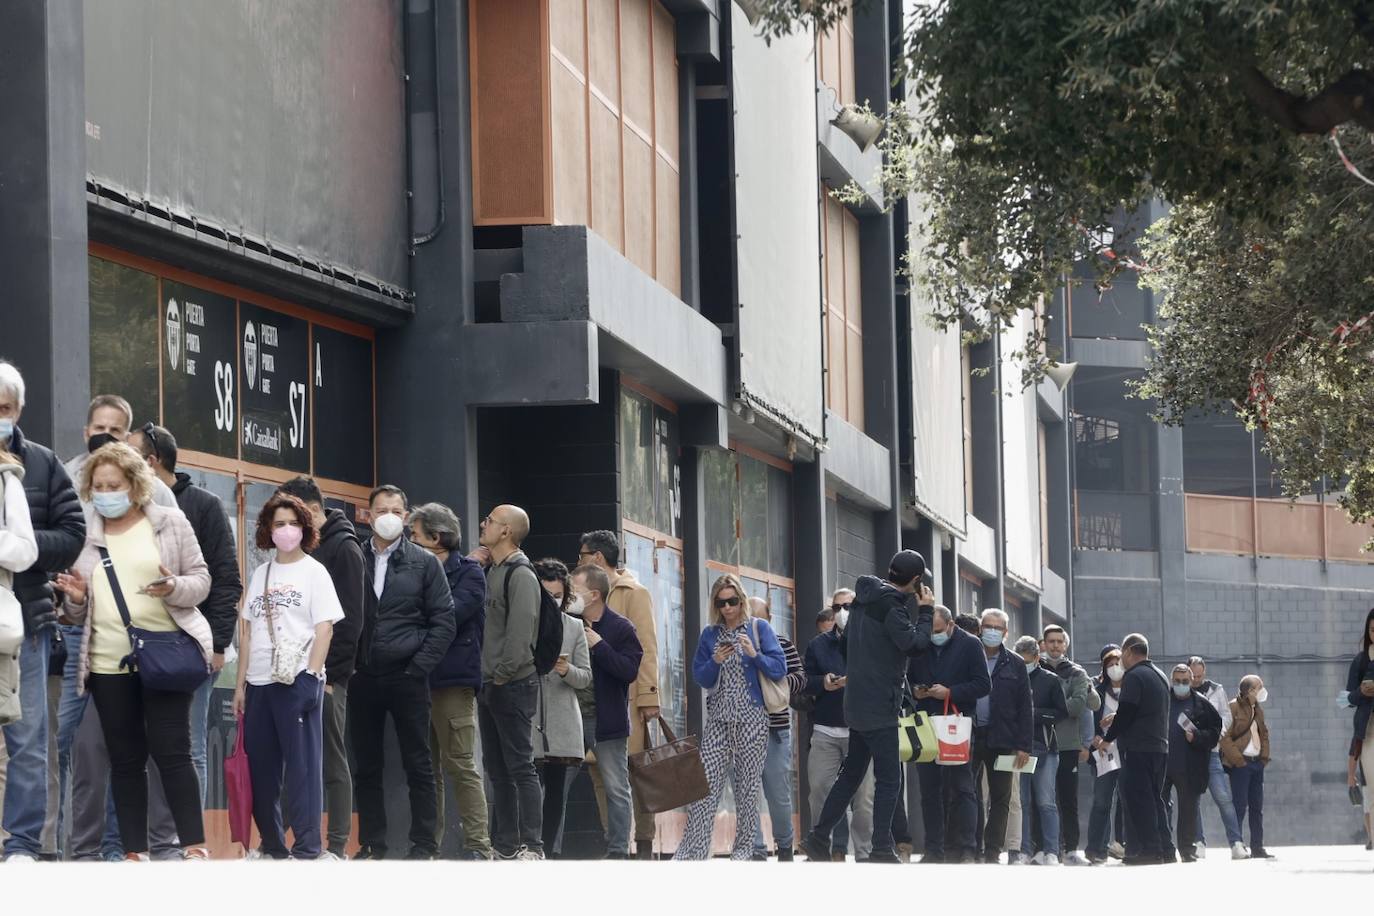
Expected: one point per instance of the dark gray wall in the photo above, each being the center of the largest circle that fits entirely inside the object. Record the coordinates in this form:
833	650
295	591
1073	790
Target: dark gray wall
856	552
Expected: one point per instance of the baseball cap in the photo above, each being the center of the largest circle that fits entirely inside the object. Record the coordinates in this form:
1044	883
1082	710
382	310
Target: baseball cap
906	566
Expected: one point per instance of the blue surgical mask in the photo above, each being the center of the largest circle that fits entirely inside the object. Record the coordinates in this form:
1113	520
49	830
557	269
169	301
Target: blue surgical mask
992	638
111	505
6	429
1182	690
939	639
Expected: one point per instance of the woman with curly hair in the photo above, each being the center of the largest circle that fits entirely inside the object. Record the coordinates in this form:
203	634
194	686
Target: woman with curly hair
288	616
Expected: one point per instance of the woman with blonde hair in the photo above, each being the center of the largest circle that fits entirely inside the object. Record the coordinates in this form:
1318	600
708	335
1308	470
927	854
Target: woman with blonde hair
734	652
141	569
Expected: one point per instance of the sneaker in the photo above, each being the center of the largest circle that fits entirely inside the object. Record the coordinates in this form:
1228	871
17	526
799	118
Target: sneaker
530	855
1200	850
511	856
932	858
903	852
423	855
785	854
328	856
815	849
1116	850
474	855
255	853
1039	859
644	850
197	854
757	856
1259	853
129	857
370	852
1076	858
1050	859
1017	858
20	857
1238	850
1098	860
884	856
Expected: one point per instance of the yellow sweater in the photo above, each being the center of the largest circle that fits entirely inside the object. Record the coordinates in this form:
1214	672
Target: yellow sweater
136	563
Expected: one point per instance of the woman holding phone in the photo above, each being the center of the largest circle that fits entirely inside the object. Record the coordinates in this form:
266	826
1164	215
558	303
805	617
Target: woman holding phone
735	738
557	722
157	575
289	611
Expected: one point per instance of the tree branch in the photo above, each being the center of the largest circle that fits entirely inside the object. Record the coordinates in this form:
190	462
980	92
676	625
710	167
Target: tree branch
1350	98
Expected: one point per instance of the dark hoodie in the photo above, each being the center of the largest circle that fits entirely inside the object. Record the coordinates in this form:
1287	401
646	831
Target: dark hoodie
340	552
205	512
879	640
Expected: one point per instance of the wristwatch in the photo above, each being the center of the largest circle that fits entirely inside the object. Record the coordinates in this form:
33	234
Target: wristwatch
318	674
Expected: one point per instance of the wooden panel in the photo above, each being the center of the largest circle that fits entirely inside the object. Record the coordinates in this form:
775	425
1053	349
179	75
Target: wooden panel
1289	529
636	67
665	82
836	373
509	73
567	31
570	148
668	257
1218	524
854	388
606	176
639	202
846	47
602	29
829	54
853	299
1345	539
834	248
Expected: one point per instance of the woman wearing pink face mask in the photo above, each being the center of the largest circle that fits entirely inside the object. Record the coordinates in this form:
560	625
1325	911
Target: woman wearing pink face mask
289	610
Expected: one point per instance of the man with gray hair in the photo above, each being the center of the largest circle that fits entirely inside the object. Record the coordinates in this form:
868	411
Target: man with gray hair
1141	731
1001	727
60	529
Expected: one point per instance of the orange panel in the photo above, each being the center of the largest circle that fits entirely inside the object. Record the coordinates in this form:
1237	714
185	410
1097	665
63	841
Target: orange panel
1345	539
668	257
607	215
835	254
846	43
830	61
602	29
636	67
1218	524
836	373
853	298
569	148
639	202
567	31
509	72
854	389
665	82
1289	529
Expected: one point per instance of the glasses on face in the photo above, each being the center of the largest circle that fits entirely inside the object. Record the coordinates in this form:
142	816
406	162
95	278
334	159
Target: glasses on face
732	601
840	607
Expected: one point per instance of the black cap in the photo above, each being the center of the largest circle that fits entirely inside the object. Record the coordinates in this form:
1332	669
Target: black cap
1108	649
906	567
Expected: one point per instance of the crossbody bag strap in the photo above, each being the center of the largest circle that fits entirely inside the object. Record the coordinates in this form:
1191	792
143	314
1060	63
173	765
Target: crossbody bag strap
267	605
108	563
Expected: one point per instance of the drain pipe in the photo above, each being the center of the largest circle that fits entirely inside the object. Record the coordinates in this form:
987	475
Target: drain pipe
424	127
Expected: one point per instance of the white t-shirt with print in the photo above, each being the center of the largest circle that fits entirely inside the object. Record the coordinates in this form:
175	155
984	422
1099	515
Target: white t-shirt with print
302	596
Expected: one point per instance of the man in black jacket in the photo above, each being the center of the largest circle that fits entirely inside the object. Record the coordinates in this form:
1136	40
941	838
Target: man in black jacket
408	624
205	512
1140	730
880	638
1194	730
1001	727
952	671
60	529
341	553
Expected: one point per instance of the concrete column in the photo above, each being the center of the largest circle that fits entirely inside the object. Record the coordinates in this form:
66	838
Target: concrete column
1173	540
695	587
43	240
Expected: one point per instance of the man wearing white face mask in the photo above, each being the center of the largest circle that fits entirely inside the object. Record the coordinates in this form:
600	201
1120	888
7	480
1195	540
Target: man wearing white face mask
1245	753
408	624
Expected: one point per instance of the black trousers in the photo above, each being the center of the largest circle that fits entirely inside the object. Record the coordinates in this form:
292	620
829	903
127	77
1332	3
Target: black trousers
1186	821
948	809
139	723
554	778
1142	792
504	716
994	834
371	698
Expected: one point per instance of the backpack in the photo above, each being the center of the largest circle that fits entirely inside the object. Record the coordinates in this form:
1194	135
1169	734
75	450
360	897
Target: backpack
548	635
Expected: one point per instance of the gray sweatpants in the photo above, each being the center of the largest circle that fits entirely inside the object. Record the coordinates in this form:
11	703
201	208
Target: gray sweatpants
822	767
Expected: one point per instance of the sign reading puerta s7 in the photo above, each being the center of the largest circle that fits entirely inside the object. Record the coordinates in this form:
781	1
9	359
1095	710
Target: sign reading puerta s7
274	424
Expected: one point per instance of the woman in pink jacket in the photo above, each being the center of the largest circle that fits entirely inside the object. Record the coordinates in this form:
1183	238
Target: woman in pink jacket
162	577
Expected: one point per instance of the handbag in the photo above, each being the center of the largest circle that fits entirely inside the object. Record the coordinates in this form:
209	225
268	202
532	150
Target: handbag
165	661
953	735
915	735
11	613
288	655
238	785
669	775
1356	796
776	694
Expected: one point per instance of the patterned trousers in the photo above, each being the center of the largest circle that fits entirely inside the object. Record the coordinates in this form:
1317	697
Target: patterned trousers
741	749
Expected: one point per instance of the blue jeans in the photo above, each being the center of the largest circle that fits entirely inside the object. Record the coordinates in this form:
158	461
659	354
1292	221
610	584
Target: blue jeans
1038	791
200	714
777	788
1100	819
613	761
1220	786
1247	792
26	786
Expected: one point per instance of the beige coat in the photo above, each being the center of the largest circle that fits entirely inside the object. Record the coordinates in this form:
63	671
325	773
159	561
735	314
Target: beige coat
631	600
179	551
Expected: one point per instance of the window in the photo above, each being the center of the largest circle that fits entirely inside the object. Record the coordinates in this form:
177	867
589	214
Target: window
842	296
749	520
651	477
124	335
1114	466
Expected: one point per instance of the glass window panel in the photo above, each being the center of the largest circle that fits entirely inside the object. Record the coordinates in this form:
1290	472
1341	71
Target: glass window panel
722	505
1114	463
660	570
667	510
754	513
1216	455
779	522
783	606
637	456
124	337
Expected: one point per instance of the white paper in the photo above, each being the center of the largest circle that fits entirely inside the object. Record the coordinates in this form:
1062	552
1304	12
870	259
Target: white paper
1007	764
1186	723
1107	760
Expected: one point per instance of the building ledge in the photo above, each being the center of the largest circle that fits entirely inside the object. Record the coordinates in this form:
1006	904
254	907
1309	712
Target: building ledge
1054	594
855	465
839	158
979	549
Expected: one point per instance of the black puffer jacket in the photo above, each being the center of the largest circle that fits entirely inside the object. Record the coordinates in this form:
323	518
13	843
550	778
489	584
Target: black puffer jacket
1011	714
59	526
341	553
878	641
205	512
410	628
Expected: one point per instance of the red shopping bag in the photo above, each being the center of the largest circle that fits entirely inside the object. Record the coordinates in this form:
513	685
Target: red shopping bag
953	735
240	788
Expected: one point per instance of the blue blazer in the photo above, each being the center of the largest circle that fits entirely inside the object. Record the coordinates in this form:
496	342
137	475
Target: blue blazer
769	660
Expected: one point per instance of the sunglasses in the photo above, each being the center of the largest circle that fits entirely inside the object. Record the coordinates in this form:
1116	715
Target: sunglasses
727	602
840	607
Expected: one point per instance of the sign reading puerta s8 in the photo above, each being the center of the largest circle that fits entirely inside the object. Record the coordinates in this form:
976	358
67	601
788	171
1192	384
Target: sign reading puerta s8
199	390
274	375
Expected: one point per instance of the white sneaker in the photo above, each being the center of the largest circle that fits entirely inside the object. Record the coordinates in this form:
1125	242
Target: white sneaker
328	856
1076	858
529	855
1238	850
1038	859
1050	859
20	857
1116	850
254	854
1200	850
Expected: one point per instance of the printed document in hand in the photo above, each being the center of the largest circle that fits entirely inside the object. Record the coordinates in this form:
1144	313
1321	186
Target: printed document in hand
1186	723
1107	760
1007	764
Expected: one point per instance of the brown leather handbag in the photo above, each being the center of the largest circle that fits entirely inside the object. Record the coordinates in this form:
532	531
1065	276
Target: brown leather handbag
670	775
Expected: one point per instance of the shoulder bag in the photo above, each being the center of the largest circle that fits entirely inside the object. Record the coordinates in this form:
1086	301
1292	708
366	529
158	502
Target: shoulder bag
165	661
288	655
670	775
776	694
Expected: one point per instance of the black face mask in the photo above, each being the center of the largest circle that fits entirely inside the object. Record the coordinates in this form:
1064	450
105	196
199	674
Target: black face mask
98	440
